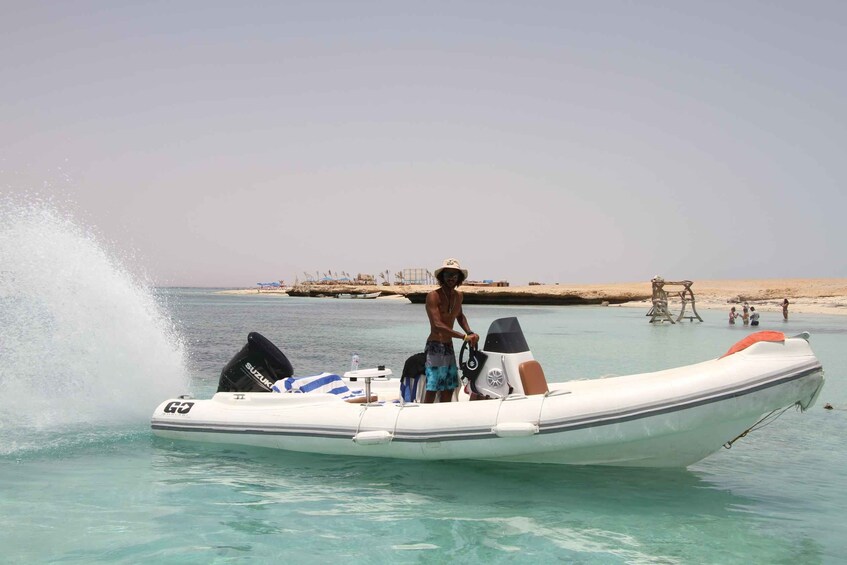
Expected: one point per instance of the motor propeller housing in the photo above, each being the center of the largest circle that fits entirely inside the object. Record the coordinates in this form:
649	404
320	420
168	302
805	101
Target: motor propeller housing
256	367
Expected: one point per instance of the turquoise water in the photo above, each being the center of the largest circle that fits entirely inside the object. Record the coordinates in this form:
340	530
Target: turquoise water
108	491
88	352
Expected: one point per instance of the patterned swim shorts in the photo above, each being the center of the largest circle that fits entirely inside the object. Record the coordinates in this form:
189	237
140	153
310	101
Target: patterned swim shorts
441	370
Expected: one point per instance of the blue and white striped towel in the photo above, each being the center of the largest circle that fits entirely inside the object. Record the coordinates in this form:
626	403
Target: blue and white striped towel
326	383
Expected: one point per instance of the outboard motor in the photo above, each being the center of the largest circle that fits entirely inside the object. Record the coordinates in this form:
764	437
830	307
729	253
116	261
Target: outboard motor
255	368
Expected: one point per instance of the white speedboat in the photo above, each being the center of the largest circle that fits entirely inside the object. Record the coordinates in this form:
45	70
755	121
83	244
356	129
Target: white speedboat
669	418
360	295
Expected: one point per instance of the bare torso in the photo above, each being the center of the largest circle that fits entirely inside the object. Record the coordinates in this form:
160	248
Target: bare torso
444	307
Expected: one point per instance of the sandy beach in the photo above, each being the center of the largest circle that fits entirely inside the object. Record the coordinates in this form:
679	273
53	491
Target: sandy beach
807	296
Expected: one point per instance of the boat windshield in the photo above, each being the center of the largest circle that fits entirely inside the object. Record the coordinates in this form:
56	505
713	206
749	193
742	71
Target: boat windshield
505	336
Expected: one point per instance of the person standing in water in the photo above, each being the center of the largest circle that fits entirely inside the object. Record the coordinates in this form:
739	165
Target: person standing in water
444	308
785	309
745	314
732	315
754	316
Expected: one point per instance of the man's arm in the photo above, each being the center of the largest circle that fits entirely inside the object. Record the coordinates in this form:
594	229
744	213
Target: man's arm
463	322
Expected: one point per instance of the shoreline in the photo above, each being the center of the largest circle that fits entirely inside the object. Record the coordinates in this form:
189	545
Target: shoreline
806	296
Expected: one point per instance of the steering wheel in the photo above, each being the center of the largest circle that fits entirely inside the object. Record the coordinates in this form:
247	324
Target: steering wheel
472	364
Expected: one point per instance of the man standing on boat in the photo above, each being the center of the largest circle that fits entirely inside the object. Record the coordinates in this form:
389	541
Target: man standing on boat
444	308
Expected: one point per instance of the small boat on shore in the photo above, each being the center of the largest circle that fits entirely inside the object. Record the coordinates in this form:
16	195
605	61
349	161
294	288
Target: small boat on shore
366	295
669	418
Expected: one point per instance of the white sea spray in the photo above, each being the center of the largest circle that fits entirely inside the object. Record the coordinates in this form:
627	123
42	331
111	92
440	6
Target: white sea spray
83	340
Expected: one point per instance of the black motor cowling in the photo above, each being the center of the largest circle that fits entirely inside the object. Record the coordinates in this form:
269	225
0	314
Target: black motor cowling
255	368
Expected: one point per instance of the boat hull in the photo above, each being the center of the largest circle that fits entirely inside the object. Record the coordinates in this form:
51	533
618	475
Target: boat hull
669	418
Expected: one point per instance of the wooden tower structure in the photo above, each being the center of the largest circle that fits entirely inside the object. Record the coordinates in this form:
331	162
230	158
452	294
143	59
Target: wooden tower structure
660	312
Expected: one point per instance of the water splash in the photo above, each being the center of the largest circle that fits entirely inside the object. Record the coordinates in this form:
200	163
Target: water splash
82	340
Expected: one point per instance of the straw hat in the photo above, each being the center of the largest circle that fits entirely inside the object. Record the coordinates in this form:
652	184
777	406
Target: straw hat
451	264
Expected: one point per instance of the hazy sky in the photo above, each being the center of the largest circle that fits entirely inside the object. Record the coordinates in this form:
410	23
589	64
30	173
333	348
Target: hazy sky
227	143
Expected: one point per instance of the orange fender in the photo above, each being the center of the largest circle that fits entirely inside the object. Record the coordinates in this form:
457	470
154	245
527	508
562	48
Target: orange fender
765	335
